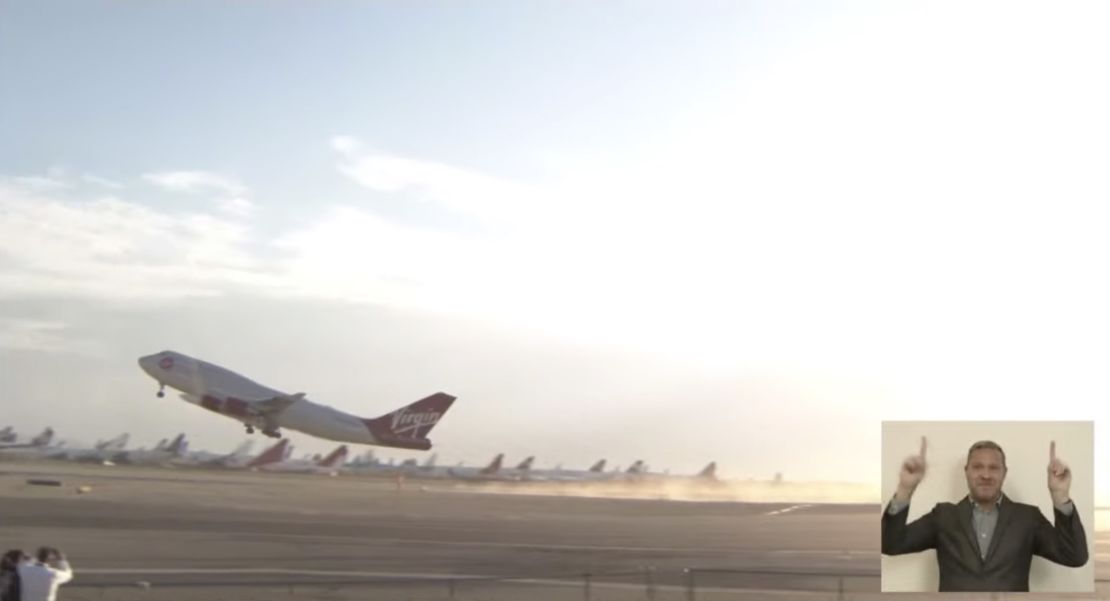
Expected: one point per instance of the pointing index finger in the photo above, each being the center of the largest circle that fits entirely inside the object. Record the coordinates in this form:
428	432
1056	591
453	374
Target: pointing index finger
922	447
1052	451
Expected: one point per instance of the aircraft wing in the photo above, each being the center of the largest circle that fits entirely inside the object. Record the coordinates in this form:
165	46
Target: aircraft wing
237	407
277	404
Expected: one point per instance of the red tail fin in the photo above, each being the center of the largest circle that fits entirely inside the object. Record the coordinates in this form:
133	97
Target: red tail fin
273	454
408	427
336	457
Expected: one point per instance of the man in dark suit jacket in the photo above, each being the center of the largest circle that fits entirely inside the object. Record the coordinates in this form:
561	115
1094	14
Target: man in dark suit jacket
986	542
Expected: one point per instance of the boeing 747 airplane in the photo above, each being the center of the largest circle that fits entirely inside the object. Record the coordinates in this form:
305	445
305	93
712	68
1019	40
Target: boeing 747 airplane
223	391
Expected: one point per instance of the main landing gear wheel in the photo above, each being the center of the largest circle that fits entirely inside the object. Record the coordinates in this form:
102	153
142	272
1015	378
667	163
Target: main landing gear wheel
272	433
250	429
161	391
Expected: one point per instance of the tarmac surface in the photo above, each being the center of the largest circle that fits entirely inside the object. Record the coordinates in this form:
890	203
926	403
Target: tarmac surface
156	533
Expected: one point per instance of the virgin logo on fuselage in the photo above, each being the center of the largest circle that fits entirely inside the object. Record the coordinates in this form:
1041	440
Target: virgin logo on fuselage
166	363
404	422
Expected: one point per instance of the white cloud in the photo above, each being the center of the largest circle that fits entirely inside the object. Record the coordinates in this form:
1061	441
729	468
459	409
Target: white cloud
42	335
111	248
196	181
352	254
345	144
460	190
39	183
229	194
107	247
237	206
102	181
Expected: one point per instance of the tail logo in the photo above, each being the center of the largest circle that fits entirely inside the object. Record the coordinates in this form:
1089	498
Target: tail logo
405	422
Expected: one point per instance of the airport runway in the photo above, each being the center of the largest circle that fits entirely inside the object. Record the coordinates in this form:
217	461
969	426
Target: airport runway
236	534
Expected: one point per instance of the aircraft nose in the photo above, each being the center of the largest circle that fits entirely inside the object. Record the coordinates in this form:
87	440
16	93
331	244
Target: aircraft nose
148	363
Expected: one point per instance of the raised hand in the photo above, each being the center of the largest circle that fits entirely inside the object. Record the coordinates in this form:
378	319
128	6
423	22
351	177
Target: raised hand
913	470
1059	477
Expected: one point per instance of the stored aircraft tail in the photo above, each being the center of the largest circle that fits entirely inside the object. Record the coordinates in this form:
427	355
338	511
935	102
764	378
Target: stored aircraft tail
273	454
177	446
43	439
494	466
118	443
408	427
334	459
242	450
599	466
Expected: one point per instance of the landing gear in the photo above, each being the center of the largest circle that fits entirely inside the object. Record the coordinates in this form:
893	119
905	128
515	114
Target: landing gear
250	429
272	433
161	391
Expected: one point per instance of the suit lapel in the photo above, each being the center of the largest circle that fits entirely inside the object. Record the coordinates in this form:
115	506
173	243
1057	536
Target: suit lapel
964	512
1005	513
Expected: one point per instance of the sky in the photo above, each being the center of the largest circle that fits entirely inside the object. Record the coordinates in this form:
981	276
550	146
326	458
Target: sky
747	232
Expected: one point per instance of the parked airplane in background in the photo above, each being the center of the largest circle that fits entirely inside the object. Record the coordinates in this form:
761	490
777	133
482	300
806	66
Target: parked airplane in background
7	435
636	470
367	461
160	455
275	454
101	452
522	471
639	473
223	391
39	442
410	467
558	474
489	472
326	465
237	457
37	448
119	442
709	472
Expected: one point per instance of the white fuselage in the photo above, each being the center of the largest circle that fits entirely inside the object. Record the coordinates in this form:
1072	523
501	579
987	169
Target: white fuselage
211	386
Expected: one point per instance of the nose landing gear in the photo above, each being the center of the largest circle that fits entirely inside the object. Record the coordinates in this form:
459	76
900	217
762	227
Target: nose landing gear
161	391
250	429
